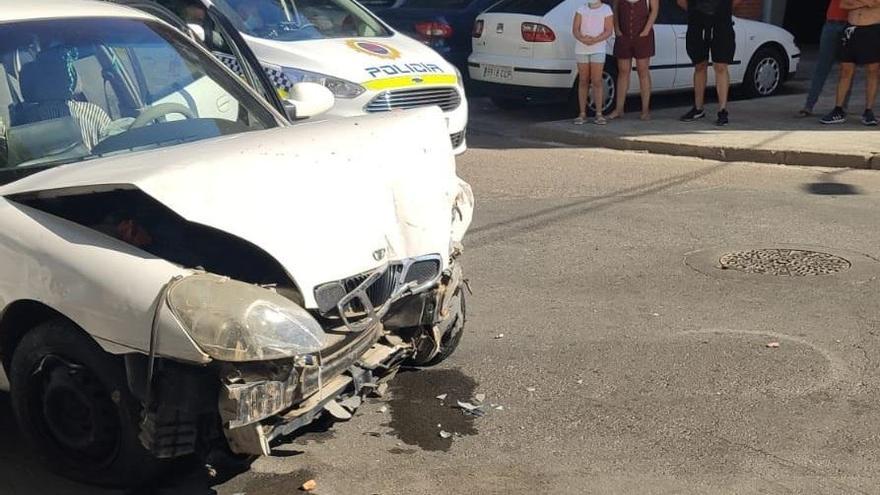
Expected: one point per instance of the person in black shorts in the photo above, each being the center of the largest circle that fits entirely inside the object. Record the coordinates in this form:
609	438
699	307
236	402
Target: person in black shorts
860	46
710	35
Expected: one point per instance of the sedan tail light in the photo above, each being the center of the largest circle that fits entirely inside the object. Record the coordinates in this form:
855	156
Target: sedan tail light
432	29
478	29
537	33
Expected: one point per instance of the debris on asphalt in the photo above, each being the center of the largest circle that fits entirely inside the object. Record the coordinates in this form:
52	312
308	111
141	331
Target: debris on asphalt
499	408
479	398
580	382
530	389
773	345
374	434
351	403
309	486
383	409
499	336
441	396
471	409
445	434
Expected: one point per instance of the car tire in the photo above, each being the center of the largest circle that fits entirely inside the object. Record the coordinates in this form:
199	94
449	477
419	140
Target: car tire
766	72
508	103
73	406
453	333
609	76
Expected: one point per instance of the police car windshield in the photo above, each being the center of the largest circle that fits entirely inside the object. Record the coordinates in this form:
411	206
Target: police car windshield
294	20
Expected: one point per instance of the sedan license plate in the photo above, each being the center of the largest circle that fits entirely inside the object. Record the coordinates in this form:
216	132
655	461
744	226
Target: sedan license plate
498	72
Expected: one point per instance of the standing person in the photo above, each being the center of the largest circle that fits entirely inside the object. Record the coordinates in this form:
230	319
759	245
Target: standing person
593	25
710	34
861	46
829	49
634	25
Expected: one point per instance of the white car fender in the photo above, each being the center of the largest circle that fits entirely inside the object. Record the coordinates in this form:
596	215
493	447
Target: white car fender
105	286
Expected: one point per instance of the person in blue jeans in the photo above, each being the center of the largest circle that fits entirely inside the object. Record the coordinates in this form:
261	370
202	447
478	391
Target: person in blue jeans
829	49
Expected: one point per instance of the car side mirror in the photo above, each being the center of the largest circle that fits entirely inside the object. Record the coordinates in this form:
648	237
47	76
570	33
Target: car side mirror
308	99
197	32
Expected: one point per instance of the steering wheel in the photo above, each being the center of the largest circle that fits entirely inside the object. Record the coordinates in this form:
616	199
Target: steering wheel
152	113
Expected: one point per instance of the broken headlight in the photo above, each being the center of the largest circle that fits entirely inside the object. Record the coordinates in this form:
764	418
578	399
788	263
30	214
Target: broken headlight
235	321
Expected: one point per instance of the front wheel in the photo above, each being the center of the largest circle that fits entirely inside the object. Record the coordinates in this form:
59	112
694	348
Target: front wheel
766	72
72	403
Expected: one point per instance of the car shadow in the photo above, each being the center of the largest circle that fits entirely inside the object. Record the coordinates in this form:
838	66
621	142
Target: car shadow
21	473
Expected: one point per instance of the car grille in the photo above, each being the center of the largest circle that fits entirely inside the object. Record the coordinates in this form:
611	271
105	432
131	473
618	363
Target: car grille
447	99
457	138
379	291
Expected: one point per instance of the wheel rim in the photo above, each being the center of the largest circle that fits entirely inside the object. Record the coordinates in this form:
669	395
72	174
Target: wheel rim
767	76
609	92
74	412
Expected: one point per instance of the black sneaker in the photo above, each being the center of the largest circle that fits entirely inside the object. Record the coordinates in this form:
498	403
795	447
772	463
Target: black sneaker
837	116
868	118
723	118
693	114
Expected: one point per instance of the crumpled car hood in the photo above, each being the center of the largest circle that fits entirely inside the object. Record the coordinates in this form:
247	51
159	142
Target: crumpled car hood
328	199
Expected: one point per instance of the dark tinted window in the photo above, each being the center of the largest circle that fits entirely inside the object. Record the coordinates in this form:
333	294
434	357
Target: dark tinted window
437	4
671	13
528	7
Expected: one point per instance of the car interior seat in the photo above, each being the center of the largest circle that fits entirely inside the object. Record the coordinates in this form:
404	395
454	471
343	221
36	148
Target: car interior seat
47	89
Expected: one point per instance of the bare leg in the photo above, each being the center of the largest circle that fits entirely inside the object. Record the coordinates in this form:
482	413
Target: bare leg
847	71
583	88
643	66
722	84
871	85
624	69
701	75
596	71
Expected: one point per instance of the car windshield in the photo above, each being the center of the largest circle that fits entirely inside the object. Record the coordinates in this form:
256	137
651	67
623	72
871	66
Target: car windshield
75	89
294	20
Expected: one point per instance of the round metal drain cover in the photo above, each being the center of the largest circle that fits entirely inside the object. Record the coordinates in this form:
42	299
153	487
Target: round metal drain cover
784	262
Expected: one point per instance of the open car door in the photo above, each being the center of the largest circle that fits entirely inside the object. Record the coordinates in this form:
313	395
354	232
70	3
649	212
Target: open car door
205	24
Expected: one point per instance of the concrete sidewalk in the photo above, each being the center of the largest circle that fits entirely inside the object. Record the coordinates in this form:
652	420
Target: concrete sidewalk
761	130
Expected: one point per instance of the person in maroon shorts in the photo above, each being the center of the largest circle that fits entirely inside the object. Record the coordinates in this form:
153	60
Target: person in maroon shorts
634	25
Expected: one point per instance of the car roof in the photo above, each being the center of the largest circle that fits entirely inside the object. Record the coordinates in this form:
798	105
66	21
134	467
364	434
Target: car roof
28	10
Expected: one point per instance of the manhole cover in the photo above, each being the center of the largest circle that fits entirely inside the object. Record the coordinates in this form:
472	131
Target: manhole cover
785	262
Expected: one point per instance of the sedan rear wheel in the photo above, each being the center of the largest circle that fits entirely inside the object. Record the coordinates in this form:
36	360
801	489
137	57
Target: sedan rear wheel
766	72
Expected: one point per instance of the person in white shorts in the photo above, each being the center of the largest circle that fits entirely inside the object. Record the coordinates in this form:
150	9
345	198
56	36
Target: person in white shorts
593	25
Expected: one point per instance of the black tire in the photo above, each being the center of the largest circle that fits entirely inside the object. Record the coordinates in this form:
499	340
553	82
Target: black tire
452	338
766	72
609	76
58	368
508	103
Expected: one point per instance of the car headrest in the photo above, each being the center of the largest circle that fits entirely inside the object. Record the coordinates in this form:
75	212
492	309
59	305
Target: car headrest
51	77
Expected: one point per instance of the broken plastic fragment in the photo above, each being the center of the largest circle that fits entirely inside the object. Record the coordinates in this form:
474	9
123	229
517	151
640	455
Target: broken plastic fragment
309	486
383	409
442	396
351	403
580	382
471	409
499	336
773	345
530	389
445	434
499	408
337	411
480	397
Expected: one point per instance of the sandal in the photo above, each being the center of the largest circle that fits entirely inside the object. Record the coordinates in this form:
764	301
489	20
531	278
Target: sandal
600	120
580	121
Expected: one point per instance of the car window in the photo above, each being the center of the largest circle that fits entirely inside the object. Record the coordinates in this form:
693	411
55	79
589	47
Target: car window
528	7
99	86
671	13
293	20
437	4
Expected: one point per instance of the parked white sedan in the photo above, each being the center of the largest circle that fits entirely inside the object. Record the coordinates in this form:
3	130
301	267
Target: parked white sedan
524	50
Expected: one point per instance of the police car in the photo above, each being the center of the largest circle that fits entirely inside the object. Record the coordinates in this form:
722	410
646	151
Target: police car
367	65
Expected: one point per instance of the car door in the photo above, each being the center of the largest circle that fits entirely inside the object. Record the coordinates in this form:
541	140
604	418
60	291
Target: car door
665	61
674	18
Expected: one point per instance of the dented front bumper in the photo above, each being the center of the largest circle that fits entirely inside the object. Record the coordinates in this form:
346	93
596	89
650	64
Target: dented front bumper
258	409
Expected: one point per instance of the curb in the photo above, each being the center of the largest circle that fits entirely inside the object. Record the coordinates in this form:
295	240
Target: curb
717	153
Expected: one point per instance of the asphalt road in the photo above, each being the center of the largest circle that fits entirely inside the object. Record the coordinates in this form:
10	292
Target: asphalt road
629	363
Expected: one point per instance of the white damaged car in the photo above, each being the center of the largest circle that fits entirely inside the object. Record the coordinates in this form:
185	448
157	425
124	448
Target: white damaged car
183	272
